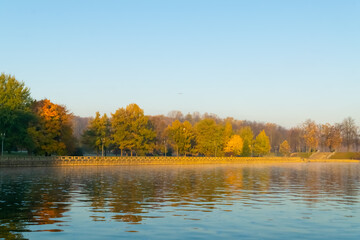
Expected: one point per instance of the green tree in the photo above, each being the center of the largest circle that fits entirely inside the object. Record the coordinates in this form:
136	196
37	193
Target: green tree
15	113
52	132
284	148
14	95
131	130
262	144
97	135
209	138
181	134
247	135
246	150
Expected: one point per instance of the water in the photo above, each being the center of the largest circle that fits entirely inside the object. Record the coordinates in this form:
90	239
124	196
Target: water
278	201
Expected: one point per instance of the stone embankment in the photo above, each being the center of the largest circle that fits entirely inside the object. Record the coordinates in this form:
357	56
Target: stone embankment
83	161
103	161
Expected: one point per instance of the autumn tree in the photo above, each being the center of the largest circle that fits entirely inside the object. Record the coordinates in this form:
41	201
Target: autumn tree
52	132
262	144
182	136
247	135
311	135
131	130
331	136
284	148
97	134
234	146
349	132
209	137
15	112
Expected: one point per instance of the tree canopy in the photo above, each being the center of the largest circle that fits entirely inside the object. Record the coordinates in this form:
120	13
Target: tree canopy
97	135
13	94
44	128
234	146
209	137
132	130
311	134
262	144
284	148
15	112
182	135
52	132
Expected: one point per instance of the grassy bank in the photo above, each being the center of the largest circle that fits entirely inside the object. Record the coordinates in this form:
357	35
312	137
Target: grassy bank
346	155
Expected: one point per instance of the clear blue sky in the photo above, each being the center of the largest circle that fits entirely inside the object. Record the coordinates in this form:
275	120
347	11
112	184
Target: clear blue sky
272	61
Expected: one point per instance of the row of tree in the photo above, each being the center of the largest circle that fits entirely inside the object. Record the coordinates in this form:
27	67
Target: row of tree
129	131
44	128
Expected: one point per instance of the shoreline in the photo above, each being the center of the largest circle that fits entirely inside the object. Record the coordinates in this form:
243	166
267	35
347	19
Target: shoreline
59	161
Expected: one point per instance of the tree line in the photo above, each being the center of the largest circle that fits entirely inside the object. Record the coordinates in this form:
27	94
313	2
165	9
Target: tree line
40	127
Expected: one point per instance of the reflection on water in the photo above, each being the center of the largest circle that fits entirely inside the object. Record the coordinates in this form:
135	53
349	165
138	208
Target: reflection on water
311	200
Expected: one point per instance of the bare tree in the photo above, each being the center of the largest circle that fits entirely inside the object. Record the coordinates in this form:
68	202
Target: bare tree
349	132
176	115
295	139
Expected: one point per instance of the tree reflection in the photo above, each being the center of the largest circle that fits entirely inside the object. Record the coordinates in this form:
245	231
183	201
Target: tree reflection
30	202
133	194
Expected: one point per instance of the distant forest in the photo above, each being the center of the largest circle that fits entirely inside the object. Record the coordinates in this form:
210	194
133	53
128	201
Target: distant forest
41	127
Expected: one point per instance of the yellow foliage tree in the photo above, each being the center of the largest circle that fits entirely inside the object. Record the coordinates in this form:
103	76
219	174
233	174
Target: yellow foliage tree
262	144
209	138
234	146
131	130
181	134
284	148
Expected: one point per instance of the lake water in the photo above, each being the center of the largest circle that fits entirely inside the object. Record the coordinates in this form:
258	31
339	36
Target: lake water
238	201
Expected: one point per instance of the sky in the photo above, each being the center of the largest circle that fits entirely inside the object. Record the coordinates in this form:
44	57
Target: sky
269	61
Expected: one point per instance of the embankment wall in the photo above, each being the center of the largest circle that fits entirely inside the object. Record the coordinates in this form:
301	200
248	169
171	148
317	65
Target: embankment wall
100	161
93	160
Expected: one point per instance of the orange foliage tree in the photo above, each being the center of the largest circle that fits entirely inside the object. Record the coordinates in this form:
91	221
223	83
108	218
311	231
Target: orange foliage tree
311	135
331	135
52	132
